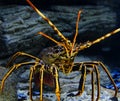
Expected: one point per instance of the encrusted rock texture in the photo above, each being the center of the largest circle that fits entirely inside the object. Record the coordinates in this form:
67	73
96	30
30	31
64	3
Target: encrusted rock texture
68	85
9	91
20	24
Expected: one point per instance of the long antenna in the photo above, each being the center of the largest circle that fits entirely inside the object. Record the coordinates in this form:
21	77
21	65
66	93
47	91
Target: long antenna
90	43
106	36
59	43
47	20
77	22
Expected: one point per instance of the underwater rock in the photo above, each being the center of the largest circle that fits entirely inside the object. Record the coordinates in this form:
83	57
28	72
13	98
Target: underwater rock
9	91
116	76
20	24
69	85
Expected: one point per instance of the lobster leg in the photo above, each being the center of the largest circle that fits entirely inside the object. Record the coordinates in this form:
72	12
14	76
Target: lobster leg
41	82
84	71
92	82
95	68
82	79
54	70
98	82
95	65
20	54
106	70
92	79
10	71
30	81
57	85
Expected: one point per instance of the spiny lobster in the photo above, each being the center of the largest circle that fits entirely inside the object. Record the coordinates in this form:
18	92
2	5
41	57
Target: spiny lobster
61	58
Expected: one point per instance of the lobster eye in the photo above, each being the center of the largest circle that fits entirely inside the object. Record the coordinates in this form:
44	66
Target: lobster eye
58	49
72	57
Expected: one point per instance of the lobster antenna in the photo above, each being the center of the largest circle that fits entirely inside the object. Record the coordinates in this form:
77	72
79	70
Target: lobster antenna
47	20
77	22
90	43
43	34
106	36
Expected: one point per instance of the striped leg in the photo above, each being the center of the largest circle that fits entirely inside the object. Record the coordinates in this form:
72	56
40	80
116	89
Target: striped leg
30	81
32	69
94	65
14	67
98	82
41	82
54	71
82	79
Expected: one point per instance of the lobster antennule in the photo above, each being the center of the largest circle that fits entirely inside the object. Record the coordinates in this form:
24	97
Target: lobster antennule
90	43
48	37
59	43
45	35
47	20
77	22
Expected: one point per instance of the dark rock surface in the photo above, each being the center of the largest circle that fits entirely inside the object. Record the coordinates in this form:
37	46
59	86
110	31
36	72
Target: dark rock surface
51	2
113	3
68	84
20	24
9	91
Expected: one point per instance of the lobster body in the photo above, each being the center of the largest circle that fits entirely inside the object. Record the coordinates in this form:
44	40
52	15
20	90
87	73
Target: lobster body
57	55
61	58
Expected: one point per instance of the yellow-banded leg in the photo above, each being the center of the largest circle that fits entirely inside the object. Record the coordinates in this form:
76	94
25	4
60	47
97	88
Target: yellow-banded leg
98	81
41	70
57	85
54	71
32	69
18	54
84	71
93	82
95	69
30	82
41	82
14	67
82	80
95	65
